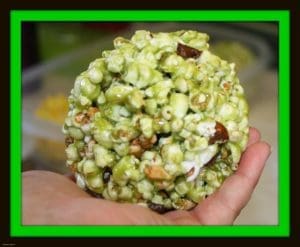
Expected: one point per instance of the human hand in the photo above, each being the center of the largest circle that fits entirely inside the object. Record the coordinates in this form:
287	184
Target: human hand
54	199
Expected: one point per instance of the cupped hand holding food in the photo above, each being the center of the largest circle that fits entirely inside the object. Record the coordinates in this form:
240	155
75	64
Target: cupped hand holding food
52	199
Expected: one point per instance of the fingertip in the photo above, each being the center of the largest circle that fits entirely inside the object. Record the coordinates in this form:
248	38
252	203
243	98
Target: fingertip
254	160
267	146
266	150
261	148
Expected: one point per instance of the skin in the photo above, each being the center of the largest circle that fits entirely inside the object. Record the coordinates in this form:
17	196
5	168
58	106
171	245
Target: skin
53	199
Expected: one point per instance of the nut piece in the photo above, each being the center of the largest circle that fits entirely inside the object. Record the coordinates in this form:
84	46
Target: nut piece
147	143
157	172
91	111
84	118
187	52
226	86
136	150
190	172
159	208
220	136
184	204
81	118
140	144
164	185
69	140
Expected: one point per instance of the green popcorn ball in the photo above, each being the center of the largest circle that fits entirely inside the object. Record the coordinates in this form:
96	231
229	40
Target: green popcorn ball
159	121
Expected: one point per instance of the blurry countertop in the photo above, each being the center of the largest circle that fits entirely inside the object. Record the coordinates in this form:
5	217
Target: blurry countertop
263	206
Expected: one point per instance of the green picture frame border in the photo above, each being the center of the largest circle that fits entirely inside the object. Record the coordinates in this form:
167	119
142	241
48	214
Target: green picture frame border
280	16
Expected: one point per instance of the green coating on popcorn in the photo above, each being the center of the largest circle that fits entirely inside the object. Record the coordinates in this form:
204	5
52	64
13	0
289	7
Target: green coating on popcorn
167	118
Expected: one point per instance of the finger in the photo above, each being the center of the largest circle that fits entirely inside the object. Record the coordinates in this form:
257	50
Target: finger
254	136
225	204
91	211
181	217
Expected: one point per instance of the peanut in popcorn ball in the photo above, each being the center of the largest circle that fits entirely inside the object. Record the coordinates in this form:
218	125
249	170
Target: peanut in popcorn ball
158	121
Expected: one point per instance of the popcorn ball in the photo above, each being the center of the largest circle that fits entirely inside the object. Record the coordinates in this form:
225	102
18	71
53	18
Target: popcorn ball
158	121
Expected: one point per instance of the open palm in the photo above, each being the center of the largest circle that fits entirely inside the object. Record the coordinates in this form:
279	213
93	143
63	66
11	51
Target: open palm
54	199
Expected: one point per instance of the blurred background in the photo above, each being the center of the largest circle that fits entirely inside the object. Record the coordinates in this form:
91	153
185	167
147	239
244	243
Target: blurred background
53	54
